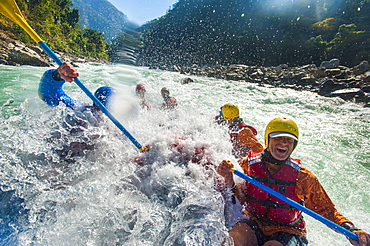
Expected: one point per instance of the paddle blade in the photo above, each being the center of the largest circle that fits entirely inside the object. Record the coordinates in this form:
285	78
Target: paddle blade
10	9
7	7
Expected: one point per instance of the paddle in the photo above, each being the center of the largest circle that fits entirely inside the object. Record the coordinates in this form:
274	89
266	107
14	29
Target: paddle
311	213
10	9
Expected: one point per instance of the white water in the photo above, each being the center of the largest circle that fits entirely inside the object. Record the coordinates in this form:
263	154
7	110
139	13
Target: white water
105	198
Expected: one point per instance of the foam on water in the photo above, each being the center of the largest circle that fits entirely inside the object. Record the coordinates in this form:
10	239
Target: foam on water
105	198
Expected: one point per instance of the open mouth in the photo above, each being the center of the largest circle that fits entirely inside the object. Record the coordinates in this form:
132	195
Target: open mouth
281	151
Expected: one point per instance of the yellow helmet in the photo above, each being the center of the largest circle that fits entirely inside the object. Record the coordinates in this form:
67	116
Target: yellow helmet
281	127
230	111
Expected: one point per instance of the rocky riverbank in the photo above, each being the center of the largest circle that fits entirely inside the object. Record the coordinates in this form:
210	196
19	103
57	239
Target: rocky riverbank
16	53
330	79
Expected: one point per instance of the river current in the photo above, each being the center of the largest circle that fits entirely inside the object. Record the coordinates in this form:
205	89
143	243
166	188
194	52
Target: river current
112	194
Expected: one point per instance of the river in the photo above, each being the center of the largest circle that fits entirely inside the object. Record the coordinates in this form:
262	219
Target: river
104	197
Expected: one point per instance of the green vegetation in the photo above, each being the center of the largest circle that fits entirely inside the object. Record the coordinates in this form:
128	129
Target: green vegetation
268	33
206	32
57	24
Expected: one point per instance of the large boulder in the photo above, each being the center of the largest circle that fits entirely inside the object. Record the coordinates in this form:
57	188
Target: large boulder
26	56
14	52
333	63
361	68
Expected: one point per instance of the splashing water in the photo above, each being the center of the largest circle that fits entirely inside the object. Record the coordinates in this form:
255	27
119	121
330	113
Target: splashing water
110	194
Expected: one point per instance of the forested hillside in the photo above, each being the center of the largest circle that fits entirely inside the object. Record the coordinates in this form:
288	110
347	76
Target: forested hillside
208	32
205	32
56	21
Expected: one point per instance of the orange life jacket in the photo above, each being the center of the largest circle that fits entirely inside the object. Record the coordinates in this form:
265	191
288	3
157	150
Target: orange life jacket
267	208
234	129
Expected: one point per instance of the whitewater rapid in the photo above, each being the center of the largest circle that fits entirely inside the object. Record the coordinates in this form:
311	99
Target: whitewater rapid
105	197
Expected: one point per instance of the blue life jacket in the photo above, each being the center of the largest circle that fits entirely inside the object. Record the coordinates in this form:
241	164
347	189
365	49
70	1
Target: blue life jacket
51	92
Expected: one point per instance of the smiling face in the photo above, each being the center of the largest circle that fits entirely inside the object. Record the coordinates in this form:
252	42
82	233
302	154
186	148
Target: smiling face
281	147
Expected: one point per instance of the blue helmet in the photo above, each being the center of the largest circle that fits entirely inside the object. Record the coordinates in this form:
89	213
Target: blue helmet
103	94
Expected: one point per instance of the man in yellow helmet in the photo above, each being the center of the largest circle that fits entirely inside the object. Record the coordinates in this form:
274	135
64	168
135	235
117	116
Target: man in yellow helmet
271	221
242	136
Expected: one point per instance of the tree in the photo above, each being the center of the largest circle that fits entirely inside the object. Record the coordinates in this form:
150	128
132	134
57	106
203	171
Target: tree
57	23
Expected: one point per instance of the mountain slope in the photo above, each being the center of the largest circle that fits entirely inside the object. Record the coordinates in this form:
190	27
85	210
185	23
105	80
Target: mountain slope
268	33
102	16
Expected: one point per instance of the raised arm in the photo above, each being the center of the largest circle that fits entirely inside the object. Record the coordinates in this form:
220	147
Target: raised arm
51	85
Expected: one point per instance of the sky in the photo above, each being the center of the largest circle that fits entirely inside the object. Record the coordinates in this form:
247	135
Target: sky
141	11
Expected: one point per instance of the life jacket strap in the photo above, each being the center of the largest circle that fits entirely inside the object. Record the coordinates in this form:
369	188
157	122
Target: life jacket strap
265	220
272	181
269	204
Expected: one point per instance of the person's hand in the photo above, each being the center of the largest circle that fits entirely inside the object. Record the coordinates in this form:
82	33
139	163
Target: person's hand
145	148
148	106
224	170
363	239
68	72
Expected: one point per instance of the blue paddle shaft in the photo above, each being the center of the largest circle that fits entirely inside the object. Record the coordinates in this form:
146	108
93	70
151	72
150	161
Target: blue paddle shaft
311	213
47	49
